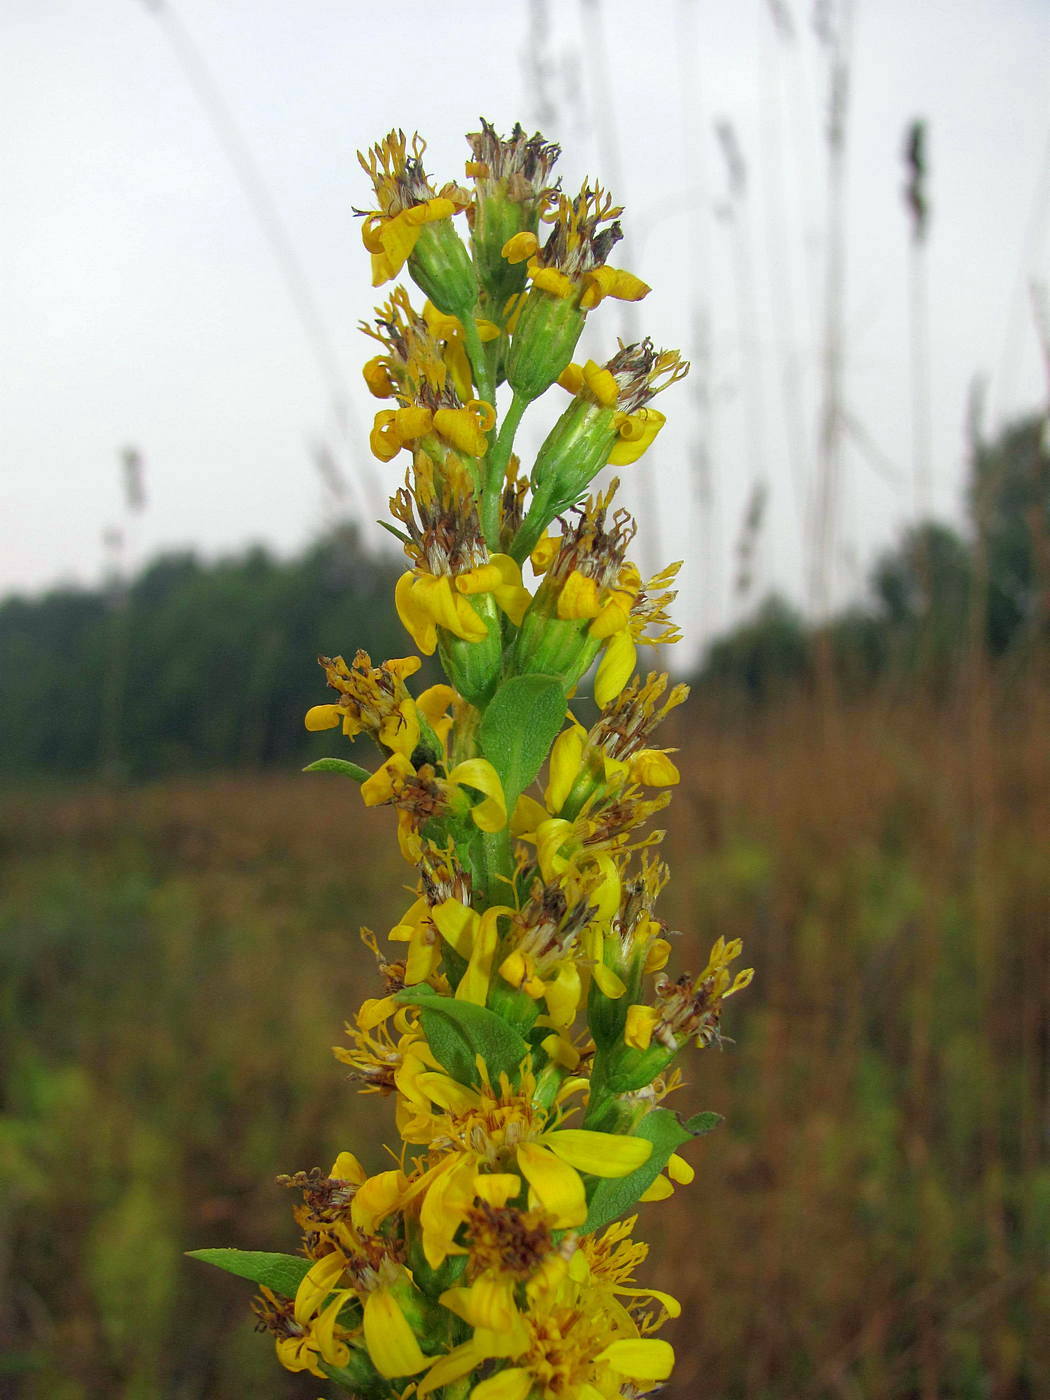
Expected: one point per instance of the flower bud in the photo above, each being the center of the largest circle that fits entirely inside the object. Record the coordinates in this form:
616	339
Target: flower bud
546	335
440	266
473	667
511	176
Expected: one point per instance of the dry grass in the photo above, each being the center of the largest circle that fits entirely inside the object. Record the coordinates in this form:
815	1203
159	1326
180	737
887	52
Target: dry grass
871	1221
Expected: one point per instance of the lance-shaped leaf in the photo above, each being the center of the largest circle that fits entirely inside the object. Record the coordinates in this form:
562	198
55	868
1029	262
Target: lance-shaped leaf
281	1272
458	1032
521	722
338	765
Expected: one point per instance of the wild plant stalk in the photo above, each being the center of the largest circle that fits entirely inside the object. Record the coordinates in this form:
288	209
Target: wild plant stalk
528	1032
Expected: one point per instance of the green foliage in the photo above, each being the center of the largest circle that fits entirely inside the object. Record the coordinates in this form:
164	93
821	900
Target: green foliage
338	765
459	1033
281	1272
520	724
199	666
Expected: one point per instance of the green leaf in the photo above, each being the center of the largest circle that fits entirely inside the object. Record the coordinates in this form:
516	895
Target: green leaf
521	722
281	1272
450	1046
459	1031
614	1196
702	1123
338	765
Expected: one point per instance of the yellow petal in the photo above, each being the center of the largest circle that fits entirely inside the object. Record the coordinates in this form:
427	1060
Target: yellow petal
601	1154
391	1343
452	1367
375	1010
490	814
511	1384
549	279
483	578
386	781
332	1349
434	701
456	924
658	1190
611	282
444	1208
384	439
561	1051
323	717
563	995
571	378
400	731
551	836
615	668
671	1305
413	422
346	1167
316	1285
635	433
377	377
658	955
415	619
544	554
602	384
641	1021
528	815
448	609
653	768
460	427
521	247
448	1093
678	1169
578	597
614	616
376	1199
565	762
474	984
554	1184
642	1358
497	1188
609	984
511	595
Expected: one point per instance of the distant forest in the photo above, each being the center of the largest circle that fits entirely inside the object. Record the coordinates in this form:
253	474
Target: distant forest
197	665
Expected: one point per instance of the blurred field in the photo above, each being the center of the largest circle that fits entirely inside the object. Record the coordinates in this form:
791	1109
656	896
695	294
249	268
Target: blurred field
870	1223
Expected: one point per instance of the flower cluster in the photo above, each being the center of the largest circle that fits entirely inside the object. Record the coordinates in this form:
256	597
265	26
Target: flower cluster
524	1025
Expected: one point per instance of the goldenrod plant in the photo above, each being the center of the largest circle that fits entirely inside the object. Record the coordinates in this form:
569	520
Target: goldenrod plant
526	1028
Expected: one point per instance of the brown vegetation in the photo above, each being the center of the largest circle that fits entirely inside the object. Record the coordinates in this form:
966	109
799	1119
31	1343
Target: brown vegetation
871	1221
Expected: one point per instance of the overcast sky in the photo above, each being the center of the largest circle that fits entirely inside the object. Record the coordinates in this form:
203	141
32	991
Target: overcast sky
145	302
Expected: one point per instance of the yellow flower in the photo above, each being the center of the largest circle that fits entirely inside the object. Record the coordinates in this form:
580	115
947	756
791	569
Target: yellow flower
474	937
574	1341
407	203
571	263
426	601
372	699
497	1131
424	794
463	428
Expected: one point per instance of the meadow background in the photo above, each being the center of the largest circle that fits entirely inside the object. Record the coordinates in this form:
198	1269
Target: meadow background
844	208
866	804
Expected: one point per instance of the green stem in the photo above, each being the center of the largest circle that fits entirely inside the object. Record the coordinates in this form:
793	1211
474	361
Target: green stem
495	867
478	360
495	468
537	518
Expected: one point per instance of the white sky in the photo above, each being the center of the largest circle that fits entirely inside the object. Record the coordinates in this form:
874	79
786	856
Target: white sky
143	304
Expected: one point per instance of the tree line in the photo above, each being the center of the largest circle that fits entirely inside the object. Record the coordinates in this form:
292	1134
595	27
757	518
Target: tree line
196	665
